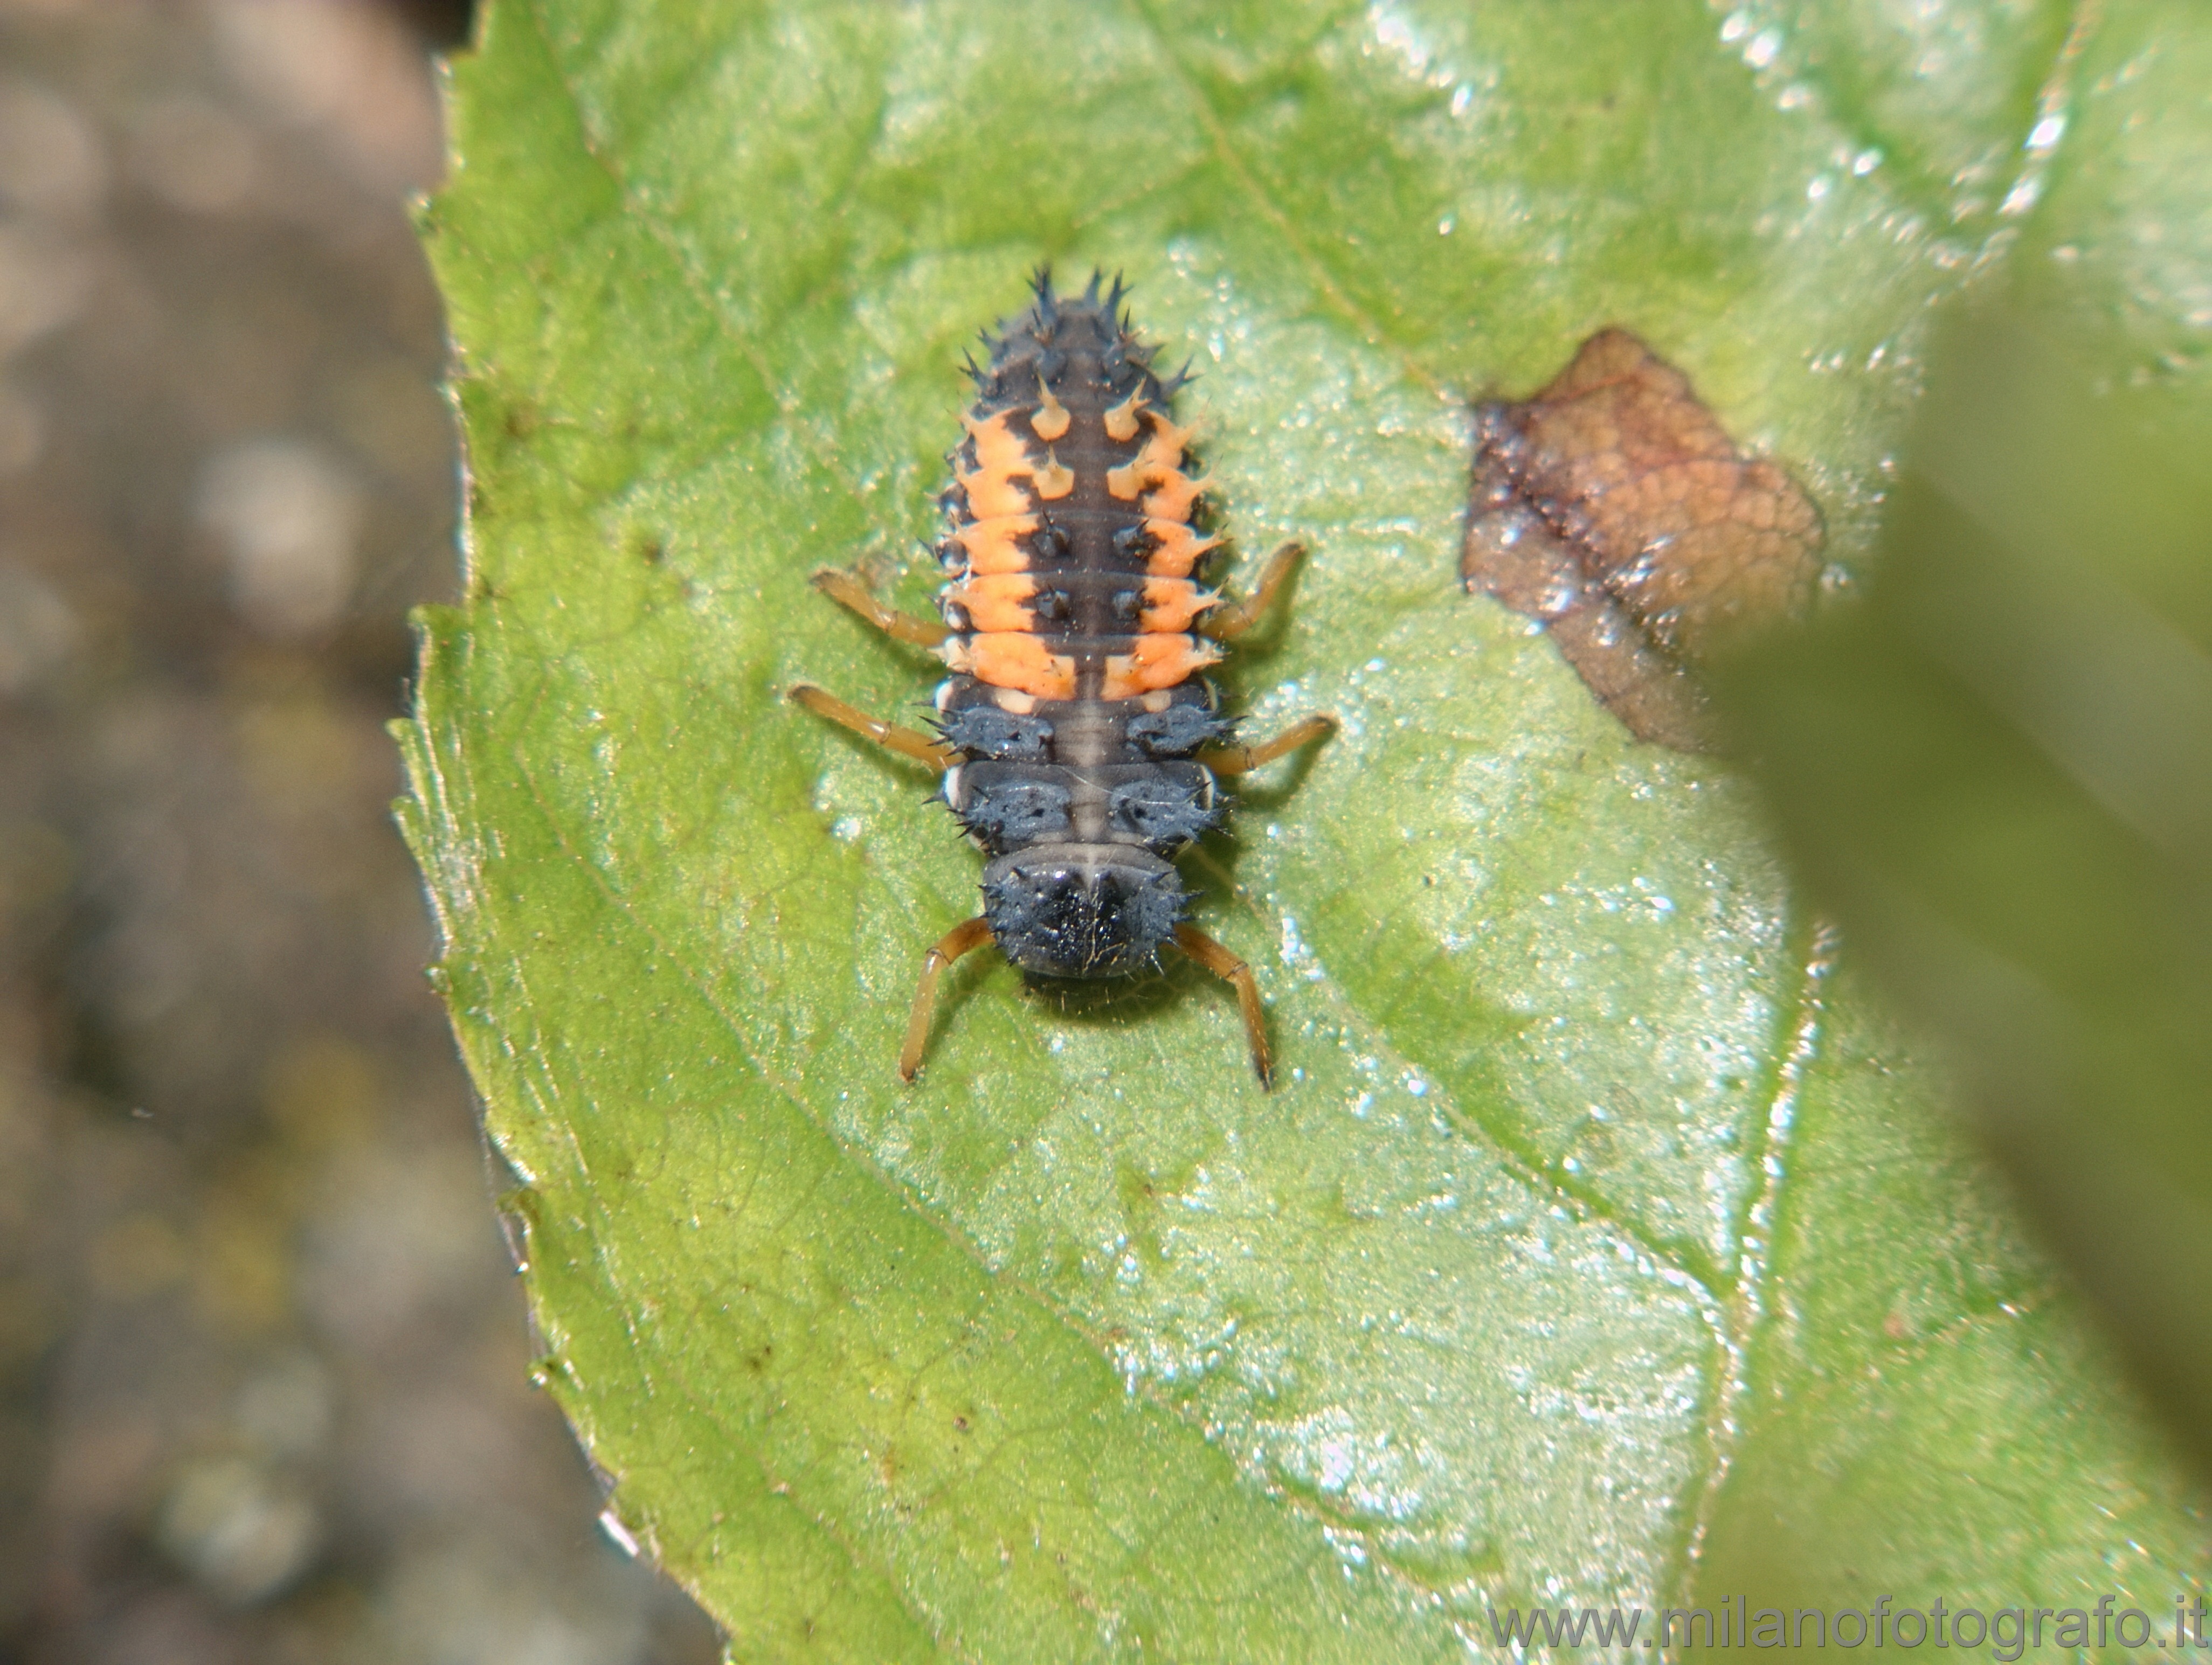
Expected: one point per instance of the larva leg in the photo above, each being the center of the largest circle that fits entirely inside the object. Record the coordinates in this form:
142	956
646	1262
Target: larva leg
907	742
1236	759
1226	965
954	943
847	591
1232	619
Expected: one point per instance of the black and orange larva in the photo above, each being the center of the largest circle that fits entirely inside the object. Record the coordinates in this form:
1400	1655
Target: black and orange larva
1078	740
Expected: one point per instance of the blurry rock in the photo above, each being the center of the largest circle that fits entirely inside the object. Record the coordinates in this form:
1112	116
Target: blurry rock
288	514
241	1530
38	631
44	275
264	1388
396	1247
289	1408
1614	507
136	1257
351	74
51	161
471	1596
23	431
195	155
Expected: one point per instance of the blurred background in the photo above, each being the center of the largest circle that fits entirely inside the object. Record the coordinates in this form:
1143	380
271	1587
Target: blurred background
263	1390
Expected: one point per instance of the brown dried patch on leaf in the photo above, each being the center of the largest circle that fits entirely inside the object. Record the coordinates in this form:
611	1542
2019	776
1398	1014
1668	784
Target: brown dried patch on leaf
1614	507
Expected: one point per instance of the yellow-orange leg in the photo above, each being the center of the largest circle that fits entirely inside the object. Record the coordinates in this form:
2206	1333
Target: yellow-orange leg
954	943
1232	619
847	591
907	742
1226	965
1236	759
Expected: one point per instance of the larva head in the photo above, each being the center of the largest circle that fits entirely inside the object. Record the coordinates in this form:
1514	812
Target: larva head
1082	911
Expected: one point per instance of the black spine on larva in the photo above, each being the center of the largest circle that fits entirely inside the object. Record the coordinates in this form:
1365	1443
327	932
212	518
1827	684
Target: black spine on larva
1081	800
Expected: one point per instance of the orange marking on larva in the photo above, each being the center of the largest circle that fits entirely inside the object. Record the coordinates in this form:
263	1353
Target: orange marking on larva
1177	495
1155	662
1055	479
1051	418
998	449
1121	421
990	495
1000	456
1158	463
1171	604
994	545
1170	440
995	602
1176	547
1011	659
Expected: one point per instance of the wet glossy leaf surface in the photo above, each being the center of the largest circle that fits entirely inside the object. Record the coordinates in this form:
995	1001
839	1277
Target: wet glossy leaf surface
1596	1203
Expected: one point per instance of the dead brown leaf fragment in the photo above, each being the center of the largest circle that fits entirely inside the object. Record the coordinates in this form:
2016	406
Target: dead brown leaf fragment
1614	507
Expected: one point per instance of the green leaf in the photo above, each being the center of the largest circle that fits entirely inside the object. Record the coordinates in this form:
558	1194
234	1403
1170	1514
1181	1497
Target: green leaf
1595	1202
2000	768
